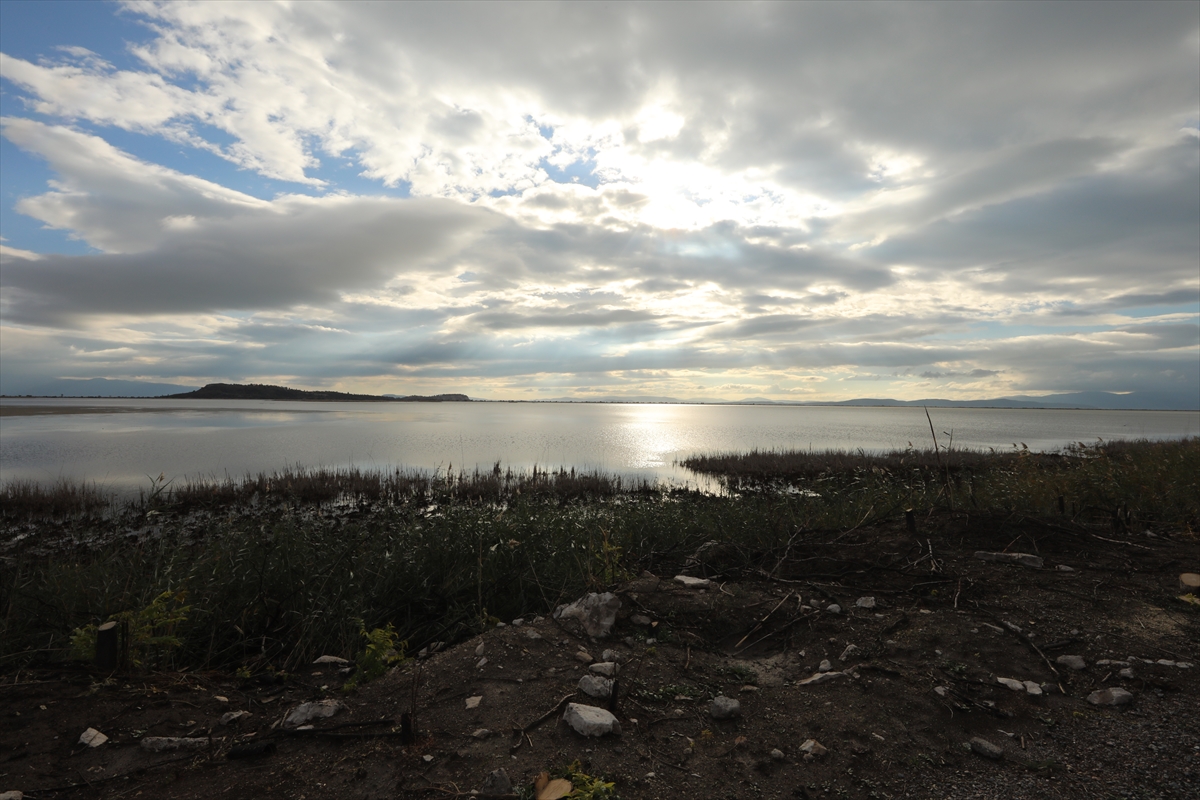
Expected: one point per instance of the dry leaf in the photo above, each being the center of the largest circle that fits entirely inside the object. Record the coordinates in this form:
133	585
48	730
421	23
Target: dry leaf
555	789
540	782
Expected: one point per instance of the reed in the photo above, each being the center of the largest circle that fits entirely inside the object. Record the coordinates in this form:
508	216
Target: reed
279	569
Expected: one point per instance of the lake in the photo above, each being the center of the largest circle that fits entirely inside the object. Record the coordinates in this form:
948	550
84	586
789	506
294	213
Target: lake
118	443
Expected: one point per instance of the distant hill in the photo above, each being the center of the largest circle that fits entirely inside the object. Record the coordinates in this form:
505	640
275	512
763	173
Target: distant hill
259	391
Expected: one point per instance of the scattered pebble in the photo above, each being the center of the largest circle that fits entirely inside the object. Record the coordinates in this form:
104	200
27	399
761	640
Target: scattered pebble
985	748
813	749
307	712
865	602
693	583
331	660
777	755
473	702
724	708
591	721
595	686
826	666
1110	697
1015	685
480	733
92	738
584	657
231	717
605	668
1071	662
833	608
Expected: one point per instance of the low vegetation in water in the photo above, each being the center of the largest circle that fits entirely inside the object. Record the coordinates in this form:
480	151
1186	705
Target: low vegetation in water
279	569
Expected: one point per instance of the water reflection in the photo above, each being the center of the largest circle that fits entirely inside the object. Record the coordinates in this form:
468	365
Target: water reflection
119	442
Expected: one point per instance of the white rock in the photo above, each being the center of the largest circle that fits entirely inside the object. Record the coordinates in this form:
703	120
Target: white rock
531	635
595	686
606	668
850	652
833	608
584	657
596	613
689	582
865	602
1024	559
233	716
220	698
518	622
941	691
1110	697
1016	686
986	749
473	702
812	749
591	721
826	666
724	708
479	649
162	744
610	655
1071	662
821	677
483	662
1126	673
331	660
1032	687
13	795
92	738
307	712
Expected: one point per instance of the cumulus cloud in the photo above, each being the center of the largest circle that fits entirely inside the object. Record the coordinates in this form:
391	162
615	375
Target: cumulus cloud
756	198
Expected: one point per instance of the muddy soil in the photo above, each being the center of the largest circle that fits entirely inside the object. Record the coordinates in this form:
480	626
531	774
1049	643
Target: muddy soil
915	681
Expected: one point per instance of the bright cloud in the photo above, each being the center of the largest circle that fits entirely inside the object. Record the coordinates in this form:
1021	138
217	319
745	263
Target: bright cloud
725	200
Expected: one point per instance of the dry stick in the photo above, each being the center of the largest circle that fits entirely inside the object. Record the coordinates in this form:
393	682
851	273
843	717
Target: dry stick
938	455
759	624
524	730
1013	628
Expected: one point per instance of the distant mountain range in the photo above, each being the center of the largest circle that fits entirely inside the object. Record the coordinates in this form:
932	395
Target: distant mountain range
258	391
1108	401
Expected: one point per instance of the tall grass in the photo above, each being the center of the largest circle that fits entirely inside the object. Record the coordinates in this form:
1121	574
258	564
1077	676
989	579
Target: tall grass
279	569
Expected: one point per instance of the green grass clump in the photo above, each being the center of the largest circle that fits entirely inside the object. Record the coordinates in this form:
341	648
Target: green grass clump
279	570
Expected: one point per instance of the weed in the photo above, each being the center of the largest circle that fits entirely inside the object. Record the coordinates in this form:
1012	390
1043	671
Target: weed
151	631
382	651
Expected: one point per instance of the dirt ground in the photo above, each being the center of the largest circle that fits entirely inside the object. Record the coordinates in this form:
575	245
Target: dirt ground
897	721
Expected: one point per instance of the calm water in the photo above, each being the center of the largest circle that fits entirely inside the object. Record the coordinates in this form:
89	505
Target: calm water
117	443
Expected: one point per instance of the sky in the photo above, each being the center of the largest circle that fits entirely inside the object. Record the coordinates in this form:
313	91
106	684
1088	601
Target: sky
793	201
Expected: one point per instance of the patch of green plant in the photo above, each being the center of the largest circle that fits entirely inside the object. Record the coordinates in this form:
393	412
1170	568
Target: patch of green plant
151	631
584	786
668	693
383	650
742	673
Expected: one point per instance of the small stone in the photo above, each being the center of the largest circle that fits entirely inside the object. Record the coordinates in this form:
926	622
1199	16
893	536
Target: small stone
427	759
1189	581
473	702
92	738
532	635
12	795
777	755
1126	673
1165	662
833	608
496	784
850	652
221	699
480	733
479	649
162	744
1108	662
518	622
688	582
1064	568
595	686
724	708
610	655
1110	697
1033	688
941	691
605	668
813	749
584	657
233	716
1016	686
591	721
483	662
1024	559
640	620
331	660
597	613
501	625
307	712
748	688
865	602
1071	662
986	749
826	666
821	677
